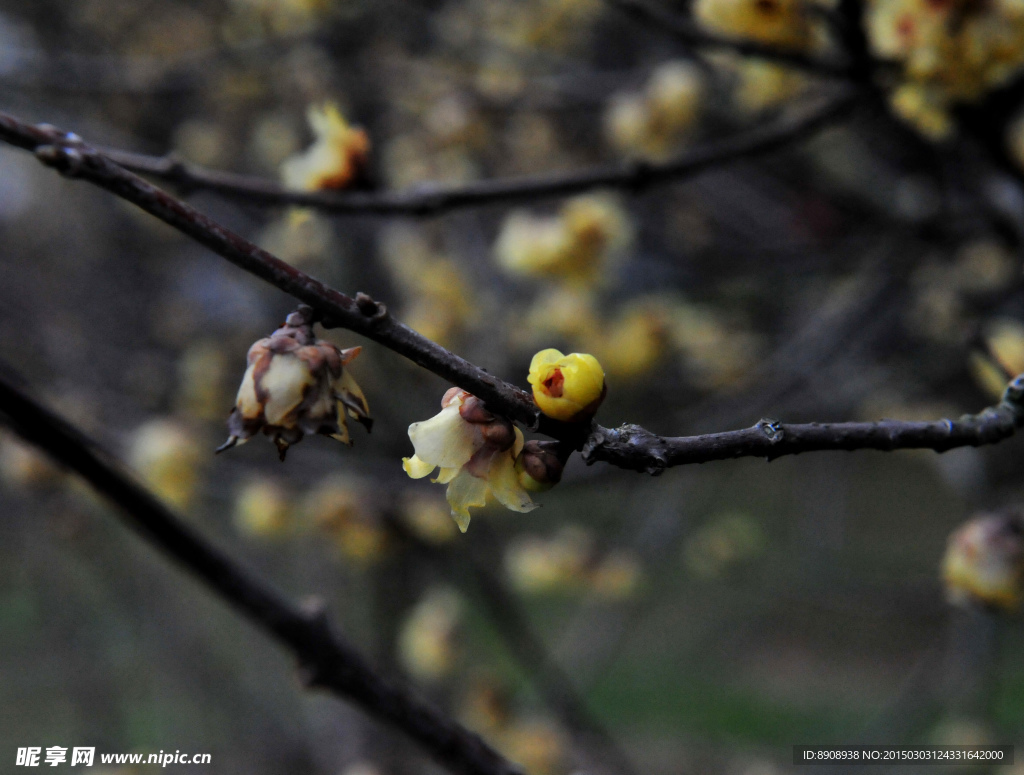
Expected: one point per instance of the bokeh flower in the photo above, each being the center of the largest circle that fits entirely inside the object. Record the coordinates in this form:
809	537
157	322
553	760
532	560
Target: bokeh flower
262	509
575	245
169	457
776	22
340	507
338	158
428	640
984	562
652	123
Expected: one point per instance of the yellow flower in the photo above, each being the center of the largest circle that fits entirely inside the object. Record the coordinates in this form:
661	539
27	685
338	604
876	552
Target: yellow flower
566	387
293	386
440	302
761	85
984	562
952	52
575	245
538	744
1005	338
476	452
618	577
653	123
535	564
336	160
638	339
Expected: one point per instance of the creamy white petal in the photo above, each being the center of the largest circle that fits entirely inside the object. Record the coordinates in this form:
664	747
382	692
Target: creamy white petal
246	400
445	439
285	381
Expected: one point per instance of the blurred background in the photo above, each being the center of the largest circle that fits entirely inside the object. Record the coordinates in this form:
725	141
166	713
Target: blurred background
708	619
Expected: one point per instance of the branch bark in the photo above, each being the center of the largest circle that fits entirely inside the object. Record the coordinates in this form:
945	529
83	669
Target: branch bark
326	660
633	447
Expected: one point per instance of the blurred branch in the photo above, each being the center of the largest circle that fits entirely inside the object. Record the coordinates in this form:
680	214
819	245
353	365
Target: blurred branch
691	34
326	660
633	447
512	624
435	199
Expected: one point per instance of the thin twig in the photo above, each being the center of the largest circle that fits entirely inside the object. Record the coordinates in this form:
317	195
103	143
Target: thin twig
326	660
434	199
633	447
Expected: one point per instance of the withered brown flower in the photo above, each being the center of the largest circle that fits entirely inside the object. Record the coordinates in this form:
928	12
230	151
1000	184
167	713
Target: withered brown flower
293	386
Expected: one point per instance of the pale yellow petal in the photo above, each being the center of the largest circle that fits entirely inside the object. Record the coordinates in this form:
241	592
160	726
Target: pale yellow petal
539	361
417	468
446	475
505	484
343	435
347	384
247	403
464	491
520	442
445	439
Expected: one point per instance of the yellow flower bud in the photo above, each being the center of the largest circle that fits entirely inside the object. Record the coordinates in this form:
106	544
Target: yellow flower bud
538	466
567	387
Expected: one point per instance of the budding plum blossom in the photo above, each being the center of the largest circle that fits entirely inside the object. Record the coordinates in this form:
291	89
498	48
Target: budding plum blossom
567	387
294	385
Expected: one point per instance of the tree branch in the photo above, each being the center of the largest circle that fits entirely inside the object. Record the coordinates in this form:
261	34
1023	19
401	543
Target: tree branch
68	154
629	446
435	199
692	35
326	660
633	447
